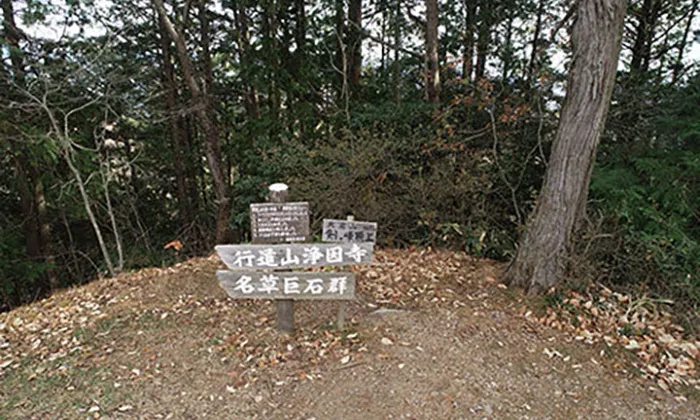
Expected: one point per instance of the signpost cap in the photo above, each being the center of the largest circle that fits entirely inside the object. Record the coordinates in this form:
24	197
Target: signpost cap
278	187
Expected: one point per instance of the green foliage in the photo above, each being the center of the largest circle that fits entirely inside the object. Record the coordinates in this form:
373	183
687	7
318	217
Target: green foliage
650	199
418	191
19	277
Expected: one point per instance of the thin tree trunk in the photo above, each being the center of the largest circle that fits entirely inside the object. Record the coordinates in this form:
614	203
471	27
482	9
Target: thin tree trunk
533	65
243	40
206	113
13	36
112	219
484	40
678	66
507	48
470	27
66	153
207	67
382	36
397	42
176	134
340	50
45	234
300	36
646	25
33	201
541	259
431	51
354	44
270	26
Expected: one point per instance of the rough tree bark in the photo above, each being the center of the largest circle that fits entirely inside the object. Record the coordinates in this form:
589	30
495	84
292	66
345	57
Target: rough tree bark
540	262
206	113
431	51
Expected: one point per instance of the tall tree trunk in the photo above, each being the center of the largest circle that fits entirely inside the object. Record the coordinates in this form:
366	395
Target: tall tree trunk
508	48
300	35
176	133
641	50
36	223
273	51
396	65
470	28
45	234
207	67
341	58
431	51
354	44
243	40
13	36
207	117
110	211
484	40
540	262
533	64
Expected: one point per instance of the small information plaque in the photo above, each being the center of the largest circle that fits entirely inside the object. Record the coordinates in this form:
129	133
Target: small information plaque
279	222
349	231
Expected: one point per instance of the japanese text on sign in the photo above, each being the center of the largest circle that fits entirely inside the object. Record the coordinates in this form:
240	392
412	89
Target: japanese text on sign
287	285
279	222
289	256
348	231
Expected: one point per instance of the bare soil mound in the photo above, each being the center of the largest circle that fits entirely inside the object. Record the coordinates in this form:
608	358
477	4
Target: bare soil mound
431	335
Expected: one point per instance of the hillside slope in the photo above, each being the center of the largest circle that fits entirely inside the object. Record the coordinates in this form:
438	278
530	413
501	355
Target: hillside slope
168	343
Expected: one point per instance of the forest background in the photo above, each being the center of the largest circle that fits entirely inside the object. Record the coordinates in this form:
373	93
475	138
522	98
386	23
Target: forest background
136	133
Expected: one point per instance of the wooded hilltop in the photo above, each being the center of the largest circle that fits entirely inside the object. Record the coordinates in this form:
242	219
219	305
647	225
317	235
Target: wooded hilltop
136	133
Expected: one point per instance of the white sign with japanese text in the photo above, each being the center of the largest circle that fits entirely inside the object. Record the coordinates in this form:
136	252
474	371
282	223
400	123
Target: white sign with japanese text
279	222
348	231
291	256
287	285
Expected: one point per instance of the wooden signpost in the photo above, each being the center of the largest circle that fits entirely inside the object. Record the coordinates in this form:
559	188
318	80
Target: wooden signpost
348	231
255	269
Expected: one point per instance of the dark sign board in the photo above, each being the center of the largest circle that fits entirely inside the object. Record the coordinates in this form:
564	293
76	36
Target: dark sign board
279	222
348	231
287	285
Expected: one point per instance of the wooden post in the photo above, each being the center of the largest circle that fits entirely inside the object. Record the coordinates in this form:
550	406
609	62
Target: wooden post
279	193
343	305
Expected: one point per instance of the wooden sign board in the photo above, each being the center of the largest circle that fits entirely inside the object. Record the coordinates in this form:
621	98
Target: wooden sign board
279	222
287	285
348	231
290	256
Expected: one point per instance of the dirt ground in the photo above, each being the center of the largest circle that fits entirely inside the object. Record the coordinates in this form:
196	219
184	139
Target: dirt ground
432	335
